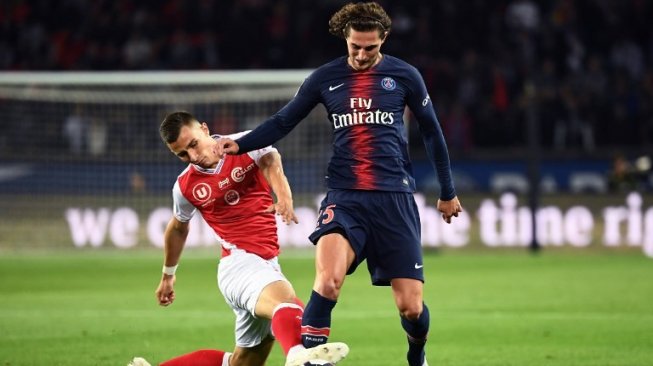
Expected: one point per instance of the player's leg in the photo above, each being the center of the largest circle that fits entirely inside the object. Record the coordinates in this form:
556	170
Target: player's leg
395	258
204	357
243	292
340	243
251	356
241	356
278	303
264	302
408	295
334	255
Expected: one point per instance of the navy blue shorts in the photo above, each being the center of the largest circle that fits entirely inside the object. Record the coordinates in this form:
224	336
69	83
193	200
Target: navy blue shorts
382	227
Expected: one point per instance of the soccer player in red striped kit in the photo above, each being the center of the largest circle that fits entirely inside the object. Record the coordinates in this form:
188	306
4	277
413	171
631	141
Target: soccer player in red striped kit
369	212
233	195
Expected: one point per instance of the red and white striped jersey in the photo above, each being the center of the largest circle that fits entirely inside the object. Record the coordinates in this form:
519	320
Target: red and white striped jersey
232	199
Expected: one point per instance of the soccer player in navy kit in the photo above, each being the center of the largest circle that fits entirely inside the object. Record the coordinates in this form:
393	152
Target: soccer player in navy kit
369	211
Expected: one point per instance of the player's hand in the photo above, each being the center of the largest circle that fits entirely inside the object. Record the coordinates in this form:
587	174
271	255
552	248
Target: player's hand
226	146
449	209
165	293
284	208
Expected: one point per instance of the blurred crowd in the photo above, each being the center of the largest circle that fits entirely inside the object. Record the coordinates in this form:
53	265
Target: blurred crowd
582	70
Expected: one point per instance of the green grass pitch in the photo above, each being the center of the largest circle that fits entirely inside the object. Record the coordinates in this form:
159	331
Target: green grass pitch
487	309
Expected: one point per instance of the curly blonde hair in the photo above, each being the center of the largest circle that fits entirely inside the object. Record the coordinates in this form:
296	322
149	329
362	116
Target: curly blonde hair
362	17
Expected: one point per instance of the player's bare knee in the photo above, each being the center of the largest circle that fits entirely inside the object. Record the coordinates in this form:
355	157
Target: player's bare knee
330	287
237	359
411	313
254	356
287	300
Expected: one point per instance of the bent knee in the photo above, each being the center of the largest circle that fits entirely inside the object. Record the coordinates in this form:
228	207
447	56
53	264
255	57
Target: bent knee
329	286
411	313
254	356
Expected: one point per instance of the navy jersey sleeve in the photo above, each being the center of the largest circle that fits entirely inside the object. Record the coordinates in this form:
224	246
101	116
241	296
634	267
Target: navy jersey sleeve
282	122
420	104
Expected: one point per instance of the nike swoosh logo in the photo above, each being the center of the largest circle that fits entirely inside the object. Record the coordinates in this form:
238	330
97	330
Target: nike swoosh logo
332	88
418	266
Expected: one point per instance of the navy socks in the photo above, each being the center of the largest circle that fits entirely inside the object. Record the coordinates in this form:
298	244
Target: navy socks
416	332
316	322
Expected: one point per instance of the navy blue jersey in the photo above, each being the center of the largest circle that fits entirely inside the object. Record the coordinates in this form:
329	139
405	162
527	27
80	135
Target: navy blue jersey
366	110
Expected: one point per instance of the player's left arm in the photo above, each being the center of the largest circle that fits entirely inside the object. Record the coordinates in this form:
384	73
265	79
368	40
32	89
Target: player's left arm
272	168
420	104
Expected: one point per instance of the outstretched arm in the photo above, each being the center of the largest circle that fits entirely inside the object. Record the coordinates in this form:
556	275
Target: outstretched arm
270	165
277	126
174	240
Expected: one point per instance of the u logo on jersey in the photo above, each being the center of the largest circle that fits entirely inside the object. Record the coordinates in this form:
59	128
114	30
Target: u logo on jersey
388	83
202	192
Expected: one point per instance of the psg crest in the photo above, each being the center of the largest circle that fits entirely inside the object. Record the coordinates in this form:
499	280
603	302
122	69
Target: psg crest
388	83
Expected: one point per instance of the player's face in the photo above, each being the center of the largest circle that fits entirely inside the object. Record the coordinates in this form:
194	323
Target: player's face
195	145
363	49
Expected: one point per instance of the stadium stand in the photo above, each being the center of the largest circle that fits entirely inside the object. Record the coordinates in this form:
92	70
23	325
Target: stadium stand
591	62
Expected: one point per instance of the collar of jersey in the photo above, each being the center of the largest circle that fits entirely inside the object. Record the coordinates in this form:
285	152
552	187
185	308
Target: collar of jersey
215	170
364	71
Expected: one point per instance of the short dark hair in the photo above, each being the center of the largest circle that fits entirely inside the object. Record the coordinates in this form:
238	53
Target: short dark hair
173	123
362	17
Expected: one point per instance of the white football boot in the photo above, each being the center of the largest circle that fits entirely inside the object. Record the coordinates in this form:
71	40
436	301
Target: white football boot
325	354
139	361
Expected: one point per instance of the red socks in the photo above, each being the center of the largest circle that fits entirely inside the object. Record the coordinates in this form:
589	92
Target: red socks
205	357
286	327
287	324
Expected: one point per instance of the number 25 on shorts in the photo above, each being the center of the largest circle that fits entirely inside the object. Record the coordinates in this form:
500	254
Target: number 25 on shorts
325	216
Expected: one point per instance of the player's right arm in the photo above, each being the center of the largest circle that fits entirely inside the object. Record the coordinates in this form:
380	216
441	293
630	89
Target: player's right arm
279	125
174	240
